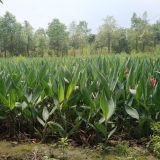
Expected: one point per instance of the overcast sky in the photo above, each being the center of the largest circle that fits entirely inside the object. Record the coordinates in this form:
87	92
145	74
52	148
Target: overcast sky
40	12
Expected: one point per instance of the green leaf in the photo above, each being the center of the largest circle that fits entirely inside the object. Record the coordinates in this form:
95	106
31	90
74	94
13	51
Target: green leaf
38	132
141	121
139	90
73	84
31	77
89	100
104	106
3	117
36	94
41	121
110	134
111	107
47	89
53	110
61	92
45	114
11	100
132	112
156	95
3	87
28	114
101	128
4	100
75	128
43	72
105	84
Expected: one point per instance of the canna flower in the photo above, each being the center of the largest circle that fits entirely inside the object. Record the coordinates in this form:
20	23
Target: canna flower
127	71
153	81
127	75
153	63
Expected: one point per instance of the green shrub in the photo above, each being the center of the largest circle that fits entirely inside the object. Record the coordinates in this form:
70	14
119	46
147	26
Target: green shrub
154	144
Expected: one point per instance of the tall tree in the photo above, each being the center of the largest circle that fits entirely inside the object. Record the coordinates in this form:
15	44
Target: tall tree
74	35
40	35
28	30
84	32
57	34
8	29
135	29
108	29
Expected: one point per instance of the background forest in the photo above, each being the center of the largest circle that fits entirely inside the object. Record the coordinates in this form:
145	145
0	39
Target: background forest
77	39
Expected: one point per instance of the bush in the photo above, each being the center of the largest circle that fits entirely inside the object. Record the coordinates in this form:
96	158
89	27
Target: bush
154	144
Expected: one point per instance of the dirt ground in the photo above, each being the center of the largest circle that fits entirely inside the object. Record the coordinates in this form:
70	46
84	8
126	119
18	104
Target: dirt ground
14	151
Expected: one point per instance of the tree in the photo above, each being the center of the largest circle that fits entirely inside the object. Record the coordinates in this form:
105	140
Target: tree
40	35
120	44
57	34
28	30
135	29
8	29
84	32
108	29
74	35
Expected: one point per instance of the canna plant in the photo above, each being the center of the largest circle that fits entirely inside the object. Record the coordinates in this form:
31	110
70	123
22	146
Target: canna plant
108	109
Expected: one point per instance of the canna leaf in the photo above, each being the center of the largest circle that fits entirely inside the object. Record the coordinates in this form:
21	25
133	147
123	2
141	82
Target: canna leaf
61	92
31	77
75	128
45	114
104	106
132	112
101	128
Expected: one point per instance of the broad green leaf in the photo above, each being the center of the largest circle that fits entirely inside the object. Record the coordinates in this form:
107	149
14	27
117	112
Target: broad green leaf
45	114
43	72
110	134
73	84
139	90
89	100
31	77
105	84
41	121
11	100
36	94
27	113
156	95
111	107
3	87
47	90
4	100
104	106
61	92
101	128
132	112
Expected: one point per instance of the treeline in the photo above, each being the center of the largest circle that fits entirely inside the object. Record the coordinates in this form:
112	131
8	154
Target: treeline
21	39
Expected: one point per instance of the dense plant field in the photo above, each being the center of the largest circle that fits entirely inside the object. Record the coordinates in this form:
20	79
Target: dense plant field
87	99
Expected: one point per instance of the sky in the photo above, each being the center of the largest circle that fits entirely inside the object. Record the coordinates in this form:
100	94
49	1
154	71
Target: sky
41	12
